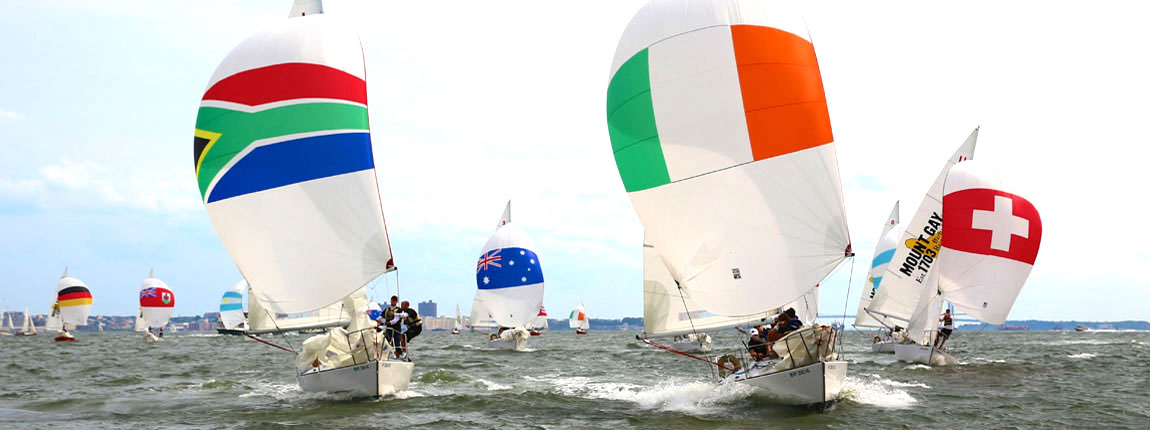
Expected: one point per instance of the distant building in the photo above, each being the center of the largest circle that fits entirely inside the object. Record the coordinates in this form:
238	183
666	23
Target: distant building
428	309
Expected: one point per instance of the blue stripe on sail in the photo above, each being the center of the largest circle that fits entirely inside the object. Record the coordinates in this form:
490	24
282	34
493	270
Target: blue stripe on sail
508	267
882	258
294	161
877	280
234	295
231	307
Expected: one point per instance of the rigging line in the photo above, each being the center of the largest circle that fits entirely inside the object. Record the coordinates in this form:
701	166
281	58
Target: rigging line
691	320
846	303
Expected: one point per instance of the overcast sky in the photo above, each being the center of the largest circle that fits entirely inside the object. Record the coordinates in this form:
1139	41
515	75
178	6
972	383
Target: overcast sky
475	103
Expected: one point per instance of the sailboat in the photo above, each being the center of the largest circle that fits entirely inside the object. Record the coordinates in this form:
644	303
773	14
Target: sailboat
232	319
157	301
28	328
509	281
991	242
71	309
538	325
458	321
140	326
284	164
883	253
8	327
906	277
578	319
721	135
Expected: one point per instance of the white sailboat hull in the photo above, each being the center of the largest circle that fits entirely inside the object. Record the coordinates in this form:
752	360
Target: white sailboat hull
922	354
883	347
813	384
374	378
512	345
687	346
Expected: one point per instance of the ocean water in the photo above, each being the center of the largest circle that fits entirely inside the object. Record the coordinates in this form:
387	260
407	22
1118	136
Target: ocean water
600	380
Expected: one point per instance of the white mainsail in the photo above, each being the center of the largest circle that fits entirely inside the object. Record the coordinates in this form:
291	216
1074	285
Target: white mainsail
284	163
508	277
883	253
458	319
579	319
8	326
263	320
917	249
28	327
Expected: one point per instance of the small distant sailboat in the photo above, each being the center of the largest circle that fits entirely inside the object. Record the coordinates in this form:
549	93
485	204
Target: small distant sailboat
509	281
232	319
539	325
458	321
8	328
884	251
578	319
28	328
157	301
991	242
71	309
285	166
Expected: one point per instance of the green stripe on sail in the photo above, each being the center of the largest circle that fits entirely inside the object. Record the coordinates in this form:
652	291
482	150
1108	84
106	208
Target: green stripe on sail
631	123
239	129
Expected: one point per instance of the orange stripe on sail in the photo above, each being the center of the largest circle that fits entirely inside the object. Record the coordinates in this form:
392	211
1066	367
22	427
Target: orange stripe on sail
782	91
75	302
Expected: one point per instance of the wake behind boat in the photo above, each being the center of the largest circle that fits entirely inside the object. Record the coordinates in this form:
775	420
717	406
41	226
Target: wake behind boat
284	165
735	182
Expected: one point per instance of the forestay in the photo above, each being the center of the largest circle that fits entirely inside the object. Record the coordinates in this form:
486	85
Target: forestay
509	278
721	135
232	306
917	248
283	161
991	243
883	253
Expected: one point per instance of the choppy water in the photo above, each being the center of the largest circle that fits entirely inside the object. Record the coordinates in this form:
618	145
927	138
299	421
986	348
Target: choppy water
604	379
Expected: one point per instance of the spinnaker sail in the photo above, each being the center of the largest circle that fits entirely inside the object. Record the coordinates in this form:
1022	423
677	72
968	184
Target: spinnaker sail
721	135
232	306
283	159
509	278
157	301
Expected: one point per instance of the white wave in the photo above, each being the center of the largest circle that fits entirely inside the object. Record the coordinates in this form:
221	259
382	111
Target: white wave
891	383
1084	355
918	367
696	397
878	392
201	335
405	394
493	386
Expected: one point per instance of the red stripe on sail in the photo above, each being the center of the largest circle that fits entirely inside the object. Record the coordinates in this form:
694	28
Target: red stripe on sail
960	232
77	295
288	81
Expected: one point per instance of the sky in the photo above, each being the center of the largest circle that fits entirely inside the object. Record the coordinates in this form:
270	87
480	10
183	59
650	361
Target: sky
473	104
